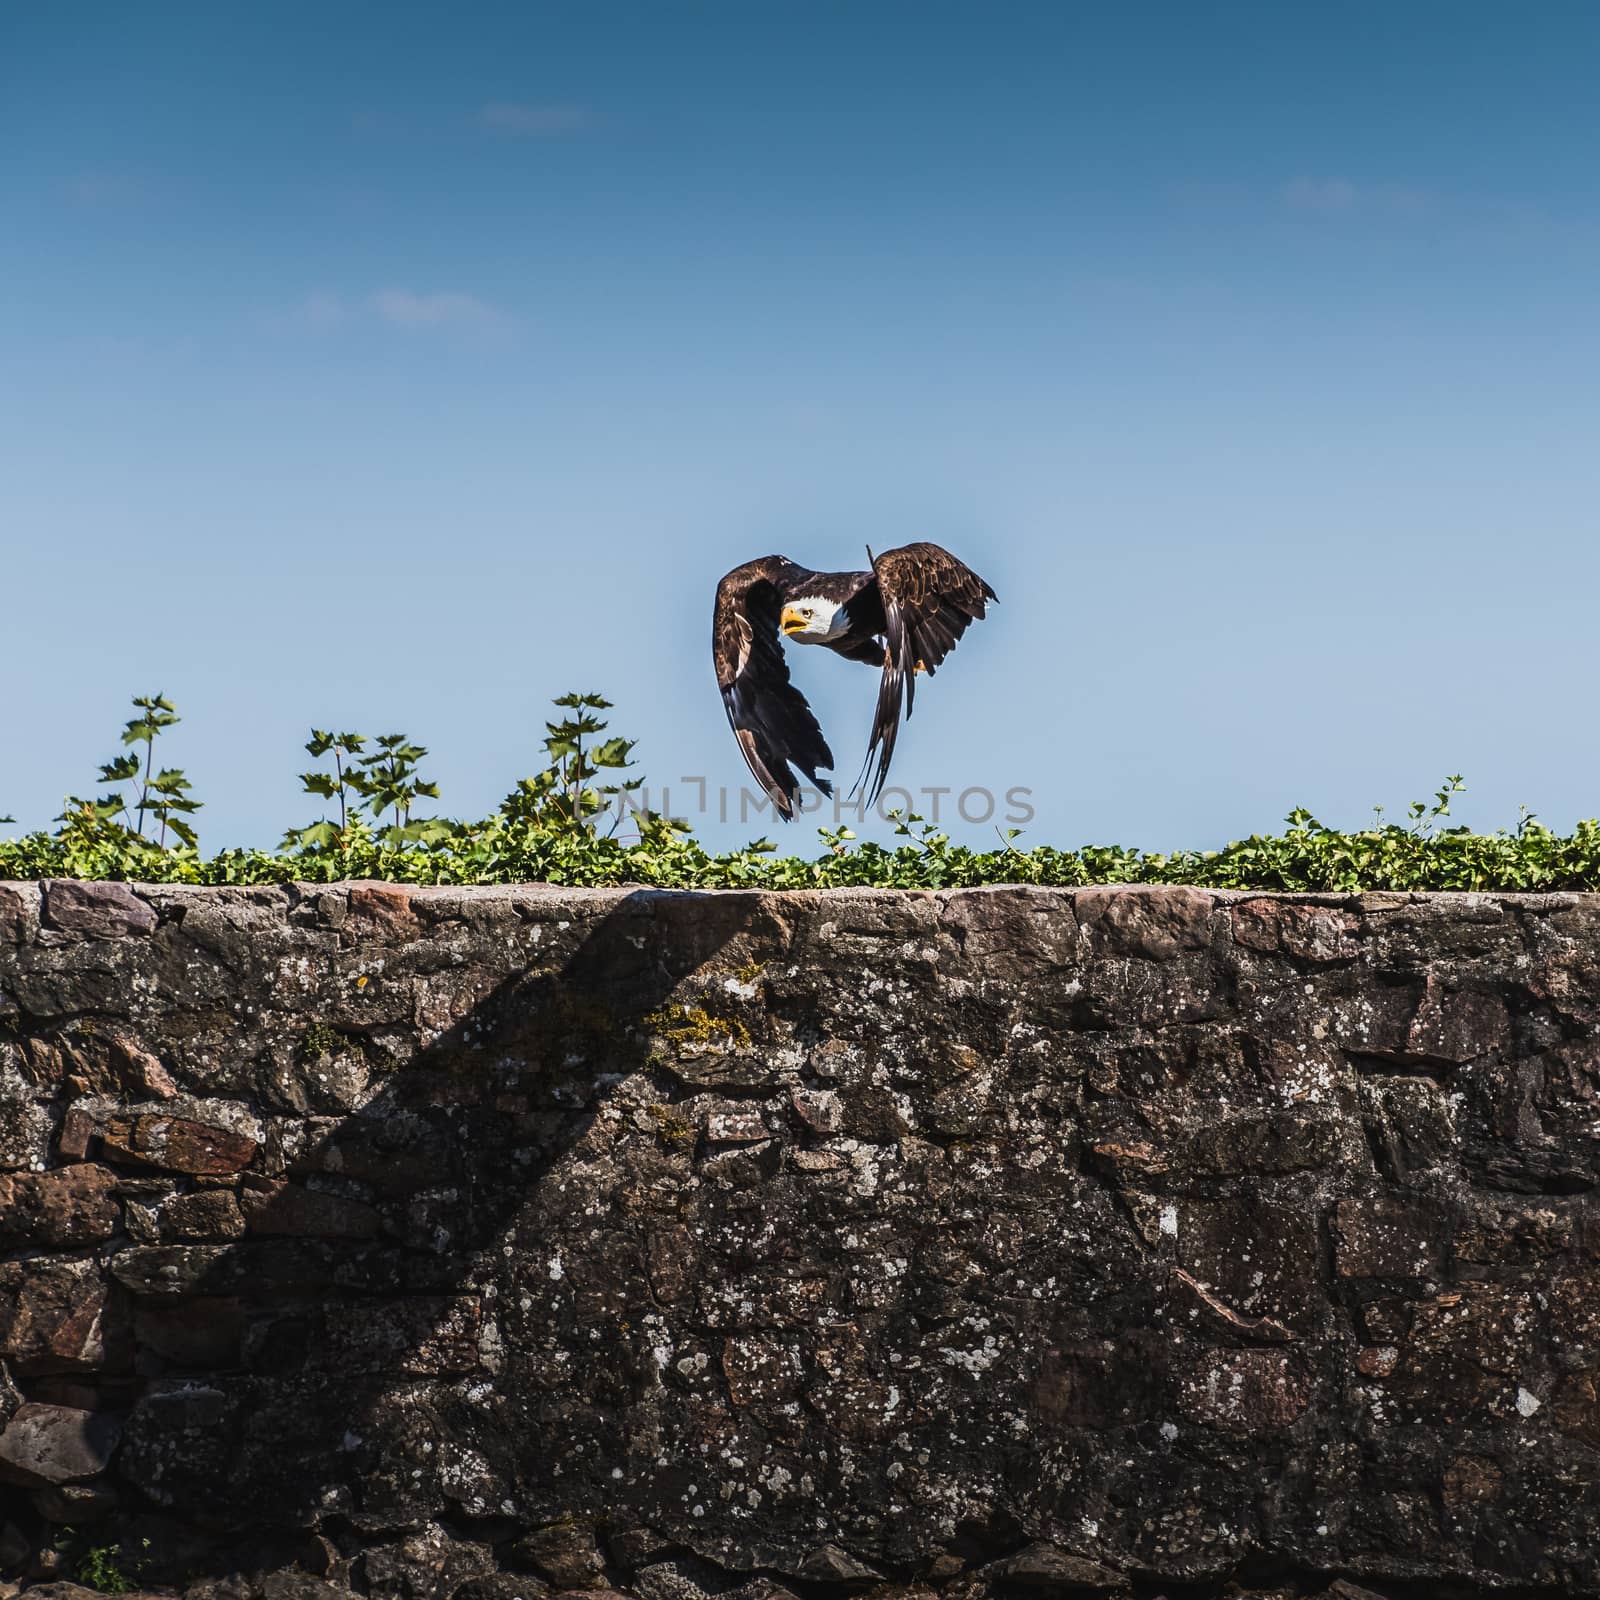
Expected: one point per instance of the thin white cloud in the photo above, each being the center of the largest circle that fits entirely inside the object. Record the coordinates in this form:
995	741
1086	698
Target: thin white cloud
109	189
533	121
1341	196
320	309
1320	194
1398	197
448	312
1211	196
374	122
1307	197
446	308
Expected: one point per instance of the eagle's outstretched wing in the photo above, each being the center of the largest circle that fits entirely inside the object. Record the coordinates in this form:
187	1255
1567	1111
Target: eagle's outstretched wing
929	599
771	720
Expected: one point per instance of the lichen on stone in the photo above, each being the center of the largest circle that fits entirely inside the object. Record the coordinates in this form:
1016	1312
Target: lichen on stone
673	1128
690	1023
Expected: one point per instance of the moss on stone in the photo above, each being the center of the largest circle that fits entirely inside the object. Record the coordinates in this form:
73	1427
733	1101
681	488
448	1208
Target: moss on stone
684	1023
320	1041
379	1058
671	1127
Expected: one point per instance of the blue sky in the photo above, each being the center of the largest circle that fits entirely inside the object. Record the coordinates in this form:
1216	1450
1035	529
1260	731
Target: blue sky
391	366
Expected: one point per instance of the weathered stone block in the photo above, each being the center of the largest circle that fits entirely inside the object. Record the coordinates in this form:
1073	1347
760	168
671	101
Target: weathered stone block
1262	1258
289	1208
176	1144
1456	1025
74	1206
380	910
736	1125
1156	923
44	1445
424	1335
58	1316
76	1504
96	910
14	918
1309	932
173	1270
1047	1568
1390	1236
1244	1391
566	1555
424	1566
196	1335
211	1215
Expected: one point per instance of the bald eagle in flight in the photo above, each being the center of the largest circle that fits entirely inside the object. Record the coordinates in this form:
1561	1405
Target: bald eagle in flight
905	616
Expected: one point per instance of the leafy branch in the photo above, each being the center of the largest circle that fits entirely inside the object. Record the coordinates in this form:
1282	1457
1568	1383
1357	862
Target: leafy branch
166	796
565	796
340	785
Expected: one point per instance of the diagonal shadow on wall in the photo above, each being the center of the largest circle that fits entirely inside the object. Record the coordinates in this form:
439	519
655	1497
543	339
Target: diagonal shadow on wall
868	1236
367	1363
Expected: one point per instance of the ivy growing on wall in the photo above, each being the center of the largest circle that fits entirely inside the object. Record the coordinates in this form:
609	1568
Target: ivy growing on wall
580	820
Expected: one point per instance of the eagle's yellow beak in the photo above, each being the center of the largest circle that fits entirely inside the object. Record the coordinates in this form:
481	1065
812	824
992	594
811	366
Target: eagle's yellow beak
792	621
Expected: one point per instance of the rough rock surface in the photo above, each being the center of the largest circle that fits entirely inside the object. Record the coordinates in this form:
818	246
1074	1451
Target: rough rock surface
514	1242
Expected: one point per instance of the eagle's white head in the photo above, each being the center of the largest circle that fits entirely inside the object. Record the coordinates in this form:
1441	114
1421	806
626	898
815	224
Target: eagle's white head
809	619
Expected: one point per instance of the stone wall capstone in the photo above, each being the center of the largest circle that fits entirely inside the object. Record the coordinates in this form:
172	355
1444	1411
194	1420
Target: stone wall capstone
498	1243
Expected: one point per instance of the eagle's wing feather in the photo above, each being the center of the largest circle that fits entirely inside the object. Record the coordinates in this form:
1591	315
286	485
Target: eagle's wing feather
929	600
868	650
769	716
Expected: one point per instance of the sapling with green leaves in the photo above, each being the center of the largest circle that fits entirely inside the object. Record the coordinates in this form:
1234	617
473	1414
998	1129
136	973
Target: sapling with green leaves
341	784
94	818
165	795
104	1568
565	798
170	802
159	714
387	781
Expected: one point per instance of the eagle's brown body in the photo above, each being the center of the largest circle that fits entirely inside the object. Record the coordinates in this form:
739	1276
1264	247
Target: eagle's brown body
904	615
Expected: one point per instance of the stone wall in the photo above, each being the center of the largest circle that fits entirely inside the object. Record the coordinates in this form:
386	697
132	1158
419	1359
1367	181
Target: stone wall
496	1242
